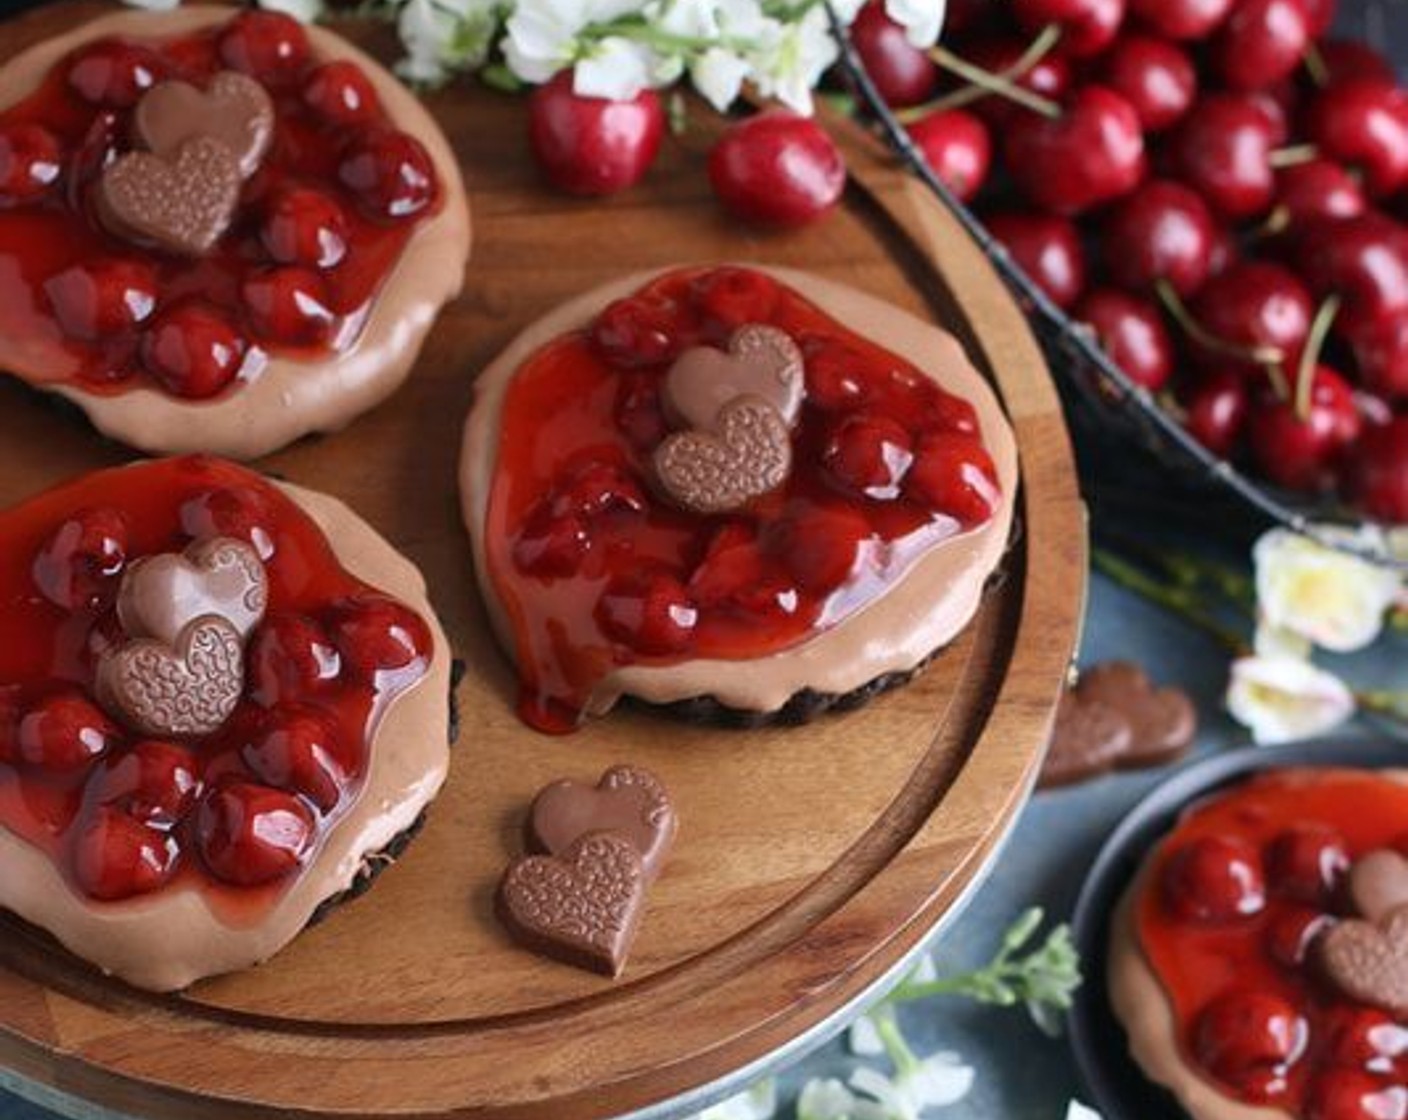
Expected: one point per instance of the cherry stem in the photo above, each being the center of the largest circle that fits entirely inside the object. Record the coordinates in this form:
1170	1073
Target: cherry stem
1002	84
1315	65
1293	156
1276	223
994	83
1271	357
1310	356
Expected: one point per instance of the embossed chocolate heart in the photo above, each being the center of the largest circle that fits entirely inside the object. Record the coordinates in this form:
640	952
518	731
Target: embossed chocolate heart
748	455
761	361
161	595
1163	720
1378	884
582	907
182	203
627	800
235	110
175	690
1368	961
1088	738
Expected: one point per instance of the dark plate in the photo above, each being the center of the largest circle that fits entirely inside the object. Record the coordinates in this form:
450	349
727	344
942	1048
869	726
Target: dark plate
1116	1086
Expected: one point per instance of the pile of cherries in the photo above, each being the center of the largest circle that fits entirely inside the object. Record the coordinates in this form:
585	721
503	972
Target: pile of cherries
1216	187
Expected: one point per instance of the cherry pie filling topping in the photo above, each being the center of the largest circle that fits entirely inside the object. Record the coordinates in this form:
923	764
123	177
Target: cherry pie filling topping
596	567
233	813
316	227
1240	899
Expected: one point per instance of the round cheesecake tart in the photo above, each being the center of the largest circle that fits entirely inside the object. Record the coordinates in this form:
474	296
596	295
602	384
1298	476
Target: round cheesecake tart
224	704
1259	960
219	230
746	494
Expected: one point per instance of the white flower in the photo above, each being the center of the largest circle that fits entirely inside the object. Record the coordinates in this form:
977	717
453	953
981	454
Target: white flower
544	36
1276	641
757	1103
153	5
922	19
1281	698
616	69
305	11
1335	600
830	1100
718	75
935	1082
864	1039
444	35
1078	1111
791	60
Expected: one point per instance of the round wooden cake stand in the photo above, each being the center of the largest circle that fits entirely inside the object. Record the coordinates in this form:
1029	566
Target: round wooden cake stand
810	860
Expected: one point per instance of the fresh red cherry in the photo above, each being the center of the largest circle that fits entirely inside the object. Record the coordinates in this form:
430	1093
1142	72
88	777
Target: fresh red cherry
1306	862
1048	249
289	305
1381	352
1246	1031
1345	1094
234	511
1351	59
31	161
956	145
303	225
1262	42
1216	409
1363	123
648	610
296	749
1131	331
1363	1038
1278	106
819	545
1092	154
1223	151
102	297
729	297
777	168
193	350
832	381
902	72
1048	77
270	46
966	15
116	856
64	732
869	455
1378	471
1225	251
1319	15
250	834
77	566
633	333
376	635
341	94
1155	76
1362	260
954	475
1318	189
1303	454
154	781
1214	879
1291	933
1087	26
1182	19
114	74
390	173
550	545
1256	305
592	145
1161	232
291	657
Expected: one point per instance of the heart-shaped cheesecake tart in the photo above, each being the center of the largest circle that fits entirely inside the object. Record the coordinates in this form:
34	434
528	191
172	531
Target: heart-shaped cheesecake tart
582	907
1368	961
761	361
628	801
1088	738
162	595
1378	884
186	688
182	204
235	110
1163	720
749	455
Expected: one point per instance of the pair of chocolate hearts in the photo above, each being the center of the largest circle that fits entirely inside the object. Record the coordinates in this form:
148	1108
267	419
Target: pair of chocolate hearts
182	192
1366	958
186	616
737	409
581	901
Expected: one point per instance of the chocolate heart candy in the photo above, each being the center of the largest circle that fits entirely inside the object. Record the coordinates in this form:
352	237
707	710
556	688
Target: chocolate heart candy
582	907
174	690
761	361
748	456
235	110
1088	738
182	204
1378	884
1164	721
161	595
627	801
1368	961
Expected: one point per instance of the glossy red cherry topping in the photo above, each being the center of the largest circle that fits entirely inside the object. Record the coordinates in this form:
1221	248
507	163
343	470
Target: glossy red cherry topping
270	46
341	94
193	350
30	163
121	814
598	570
1249	1040
1306	863
1215	880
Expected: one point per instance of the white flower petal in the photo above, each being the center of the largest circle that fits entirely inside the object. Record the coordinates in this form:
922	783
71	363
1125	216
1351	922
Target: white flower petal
941	1080
1281	698
305	11
921	19
863	1038
885	1094
617	70
718	75
153	5
1078	1111
830	1100
1277	641
757	1103
925	971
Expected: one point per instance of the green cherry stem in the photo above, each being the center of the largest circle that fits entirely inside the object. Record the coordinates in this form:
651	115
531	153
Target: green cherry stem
1293	156
991	83
1310	356
1001	83
1271	357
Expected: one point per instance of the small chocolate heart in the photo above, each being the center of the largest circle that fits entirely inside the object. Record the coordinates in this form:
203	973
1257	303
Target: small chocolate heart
1378	884
748	456
235	110
1163	720
1087	739
161	595
582	907
1368	961
761	361
182	204
175	690
627	800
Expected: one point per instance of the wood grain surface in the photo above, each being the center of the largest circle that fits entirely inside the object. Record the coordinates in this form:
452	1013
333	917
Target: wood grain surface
809	860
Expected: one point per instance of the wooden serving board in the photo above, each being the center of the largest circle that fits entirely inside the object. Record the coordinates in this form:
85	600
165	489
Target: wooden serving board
809	861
